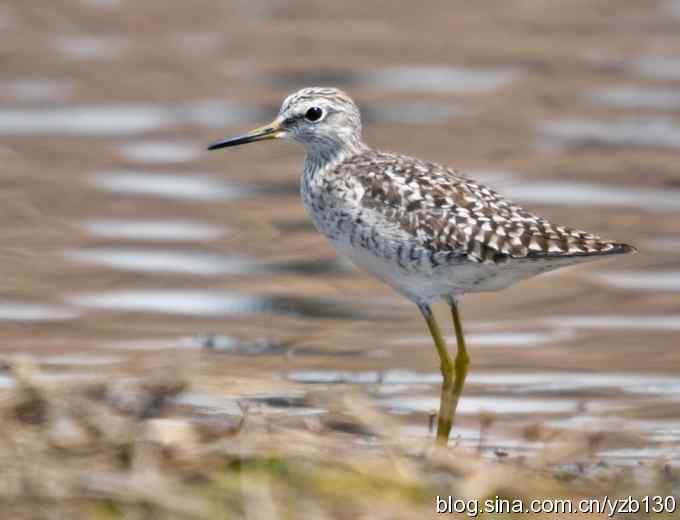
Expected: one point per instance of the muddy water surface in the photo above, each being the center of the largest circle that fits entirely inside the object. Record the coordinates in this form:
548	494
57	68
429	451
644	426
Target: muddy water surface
128	249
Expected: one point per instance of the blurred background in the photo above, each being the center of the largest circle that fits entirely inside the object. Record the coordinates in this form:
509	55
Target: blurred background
127	250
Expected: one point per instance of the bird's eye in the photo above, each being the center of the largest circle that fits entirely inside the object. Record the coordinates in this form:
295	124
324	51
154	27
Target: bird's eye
313	114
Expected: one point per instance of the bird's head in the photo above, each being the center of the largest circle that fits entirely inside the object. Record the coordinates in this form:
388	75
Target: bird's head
325	120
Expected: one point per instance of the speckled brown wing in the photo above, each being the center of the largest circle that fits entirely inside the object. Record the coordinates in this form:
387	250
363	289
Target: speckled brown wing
447	212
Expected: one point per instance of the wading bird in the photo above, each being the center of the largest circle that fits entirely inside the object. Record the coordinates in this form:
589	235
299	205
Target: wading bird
422	228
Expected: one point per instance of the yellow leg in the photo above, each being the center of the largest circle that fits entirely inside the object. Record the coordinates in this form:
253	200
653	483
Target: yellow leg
462	358
446	403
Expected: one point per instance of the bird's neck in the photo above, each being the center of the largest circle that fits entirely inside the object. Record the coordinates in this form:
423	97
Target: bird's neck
321	156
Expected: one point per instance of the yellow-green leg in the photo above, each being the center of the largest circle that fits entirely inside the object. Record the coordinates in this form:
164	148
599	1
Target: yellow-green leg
446	403
453	373
462	363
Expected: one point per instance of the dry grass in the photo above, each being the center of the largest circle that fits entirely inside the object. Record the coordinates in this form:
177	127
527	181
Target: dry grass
110	450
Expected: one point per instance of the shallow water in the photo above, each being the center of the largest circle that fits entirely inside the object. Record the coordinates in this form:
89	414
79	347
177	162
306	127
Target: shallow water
129	249
423	79
618	322
167	185
487	404
37	90
217	303
562	193
519	382
83	121
638	97
648	132
160	152
439	79
160	261
664	67
499	339
22	311
640	280
153	230
88	47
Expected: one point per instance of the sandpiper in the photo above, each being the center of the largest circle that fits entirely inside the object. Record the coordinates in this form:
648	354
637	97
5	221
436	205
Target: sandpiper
424	229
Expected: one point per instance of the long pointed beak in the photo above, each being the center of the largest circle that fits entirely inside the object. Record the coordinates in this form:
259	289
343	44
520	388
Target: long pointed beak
264	133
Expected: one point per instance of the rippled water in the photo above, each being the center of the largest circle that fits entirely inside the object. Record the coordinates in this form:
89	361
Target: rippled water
439	79
594	195
21	311
82	120
90	47
37	90
169	185
431	79
638	97
159	261
665	67
641	280
648	132
160	152
153	230
117	119
127	245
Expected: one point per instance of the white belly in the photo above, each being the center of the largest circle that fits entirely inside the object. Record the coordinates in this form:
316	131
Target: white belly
418	281
423	283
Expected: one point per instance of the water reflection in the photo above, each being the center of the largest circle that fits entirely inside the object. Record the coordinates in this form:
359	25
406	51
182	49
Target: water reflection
656	132
499	338
306	267
648	322
87	121
638	97
432	79
217	113
80	360
582	382
103	4
209	342
20	311
123	119
153	230
657	430
664	244
268	404
503	381
640	280
160	152
220	304
410	113
671	6
8	382
213	402
490	445
294	226
441	79
633	455
189	303
198	262
587	194
333	377
474	405
658	67
91	47
37	90
172	186
160	261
